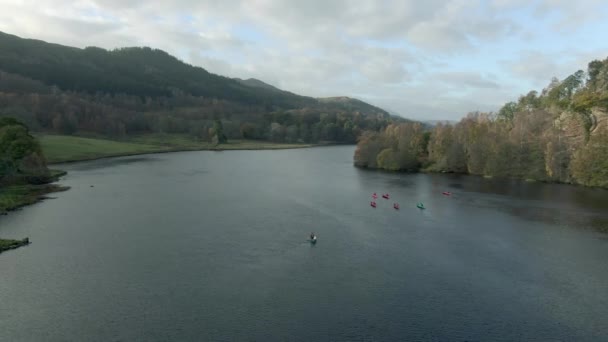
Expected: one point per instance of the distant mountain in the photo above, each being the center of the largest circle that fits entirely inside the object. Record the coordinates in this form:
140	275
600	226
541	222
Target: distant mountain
133	71
350	104
140	89
255	83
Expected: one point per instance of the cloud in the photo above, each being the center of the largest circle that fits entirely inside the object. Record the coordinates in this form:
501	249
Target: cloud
214	65
407	54
381	70
539	67
466	78
570	14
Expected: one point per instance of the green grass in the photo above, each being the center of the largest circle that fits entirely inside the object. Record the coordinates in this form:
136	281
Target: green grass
60	148
258	145
16	196
6	245
185	142
172	141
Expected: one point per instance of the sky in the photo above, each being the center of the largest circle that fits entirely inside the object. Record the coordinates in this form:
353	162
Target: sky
426	60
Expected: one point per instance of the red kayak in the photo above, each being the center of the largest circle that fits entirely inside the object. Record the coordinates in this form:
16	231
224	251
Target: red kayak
447	193
374	196
373	204
396	206
385	196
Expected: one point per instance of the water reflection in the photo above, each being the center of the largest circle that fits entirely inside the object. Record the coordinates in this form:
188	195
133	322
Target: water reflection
164	250
556	204
107	162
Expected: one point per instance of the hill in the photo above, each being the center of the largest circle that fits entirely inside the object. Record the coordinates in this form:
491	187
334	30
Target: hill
132	71
255	83
60	89
350	104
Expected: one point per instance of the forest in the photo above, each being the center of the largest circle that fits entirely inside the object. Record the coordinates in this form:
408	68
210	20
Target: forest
557	135
138	90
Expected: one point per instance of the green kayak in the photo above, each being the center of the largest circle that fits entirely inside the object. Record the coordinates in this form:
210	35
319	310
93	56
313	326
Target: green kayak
420	206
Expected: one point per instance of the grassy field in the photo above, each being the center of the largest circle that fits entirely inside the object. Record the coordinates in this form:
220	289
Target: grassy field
60	148
185	142
16	196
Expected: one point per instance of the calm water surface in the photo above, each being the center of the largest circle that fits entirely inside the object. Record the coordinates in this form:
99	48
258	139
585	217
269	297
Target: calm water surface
211	246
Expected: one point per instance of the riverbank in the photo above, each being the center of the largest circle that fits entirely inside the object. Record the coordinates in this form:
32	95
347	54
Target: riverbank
431	170
14	197
7	245
62	149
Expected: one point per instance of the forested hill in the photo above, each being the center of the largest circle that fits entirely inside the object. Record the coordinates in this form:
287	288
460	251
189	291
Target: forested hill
131	71
252	82
557	135
126	91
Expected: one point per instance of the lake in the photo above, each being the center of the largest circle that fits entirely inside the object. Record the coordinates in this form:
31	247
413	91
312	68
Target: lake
212	246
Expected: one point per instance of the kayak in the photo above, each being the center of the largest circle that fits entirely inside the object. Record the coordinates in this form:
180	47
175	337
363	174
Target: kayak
420	206
447	193
385	196
396	206
373	204
313	240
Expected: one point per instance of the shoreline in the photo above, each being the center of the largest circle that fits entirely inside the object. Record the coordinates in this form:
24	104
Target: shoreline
15	197
218	149
486	177
7	244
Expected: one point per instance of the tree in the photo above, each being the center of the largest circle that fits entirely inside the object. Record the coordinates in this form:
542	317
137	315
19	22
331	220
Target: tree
593	71
20	153
590	164
507	112
277	132
529	102
218	133
248	131
292	133
368	148
388	159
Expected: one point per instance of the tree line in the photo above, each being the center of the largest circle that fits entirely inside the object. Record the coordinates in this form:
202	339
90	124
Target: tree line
48	109
557	135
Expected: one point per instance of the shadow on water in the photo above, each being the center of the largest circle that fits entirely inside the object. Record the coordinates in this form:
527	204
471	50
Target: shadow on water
561	204
388	178
557	204
194	172
570	217
106	163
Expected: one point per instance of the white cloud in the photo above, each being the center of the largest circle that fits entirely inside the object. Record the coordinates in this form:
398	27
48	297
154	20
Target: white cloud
572	13
465	78
407	54
540	67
